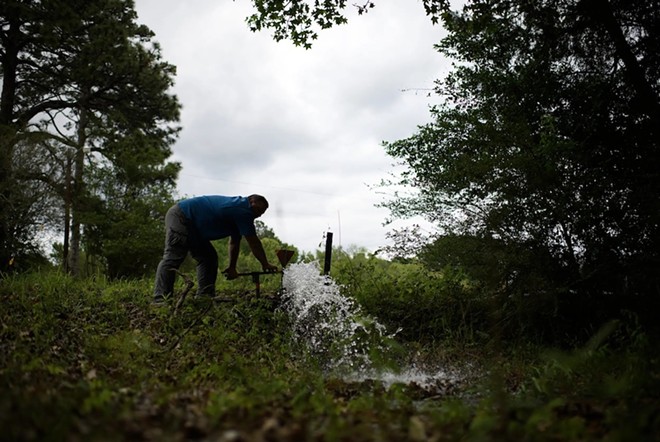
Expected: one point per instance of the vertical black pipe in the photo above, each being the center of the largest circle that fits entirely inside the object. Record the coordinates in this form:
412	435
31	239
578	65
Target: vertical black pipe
328	253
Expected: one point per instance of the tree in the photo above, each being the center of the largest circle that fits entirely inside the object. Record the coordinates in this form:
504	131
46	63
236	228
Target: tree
124	211
33	206
548	137
300	20
80	78
16	35
549	133
263	231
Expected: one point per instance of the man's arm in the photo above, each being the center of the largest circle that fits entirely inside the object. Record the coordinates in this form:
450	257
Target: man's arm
258	251
234	249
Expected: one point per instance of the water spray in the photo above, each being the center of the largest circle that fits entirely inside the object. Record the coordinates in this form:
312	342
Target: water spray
333	328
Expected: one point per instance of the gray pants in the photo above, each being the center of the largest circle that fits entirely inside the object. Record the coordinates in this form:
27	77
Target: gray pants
179	240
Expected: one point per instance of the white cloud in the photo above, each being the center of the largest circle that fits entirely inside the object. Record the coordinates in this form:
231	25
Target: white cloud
302	127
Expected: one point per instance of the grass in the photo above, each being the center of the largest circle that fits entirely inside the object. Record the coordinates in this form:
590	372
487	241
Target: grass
94	360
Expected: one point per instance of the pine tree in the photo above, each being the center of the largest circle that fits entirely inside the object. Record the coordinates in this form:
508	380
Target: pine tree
83	84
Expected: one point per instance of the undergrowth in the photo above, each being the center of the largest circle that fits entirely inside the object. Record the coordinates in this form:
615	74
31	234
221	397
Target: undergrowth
94	360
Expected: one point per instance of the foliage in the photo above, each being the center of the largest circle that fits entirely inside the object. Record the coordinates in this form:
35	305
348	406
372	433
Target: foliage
546	144
83	87
300	20
91	359
446	304
32	207
124	220
463	296
127	240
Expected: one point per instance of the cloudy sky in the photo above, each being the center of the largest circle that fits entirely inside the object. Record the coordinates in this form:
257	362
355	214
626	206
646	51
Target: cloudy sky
302	127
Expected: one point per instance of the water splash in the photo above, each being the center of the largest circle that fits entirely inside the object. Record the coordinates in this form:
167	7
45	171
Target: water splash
344	340
332	326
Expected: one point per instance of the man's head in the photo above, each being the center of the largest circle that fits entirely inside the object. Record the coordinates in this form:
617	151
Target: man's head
259	204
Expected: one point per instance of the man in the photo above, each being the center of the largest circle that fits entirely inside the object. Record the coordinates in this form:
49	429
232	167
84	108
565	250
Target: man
192	224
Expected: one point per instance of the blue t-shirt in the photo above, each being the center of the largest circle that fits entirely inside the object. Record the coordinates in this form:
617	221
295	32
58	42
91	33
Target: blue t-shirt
216	216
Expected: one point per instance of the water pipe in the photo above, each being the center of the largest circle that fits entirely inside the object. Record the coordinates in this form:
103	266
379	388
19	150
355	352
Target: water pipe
283	256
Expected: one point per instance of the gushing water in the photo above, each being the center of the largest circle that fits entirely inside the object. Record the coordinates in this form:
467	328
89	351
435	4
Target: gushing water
331	325
336	331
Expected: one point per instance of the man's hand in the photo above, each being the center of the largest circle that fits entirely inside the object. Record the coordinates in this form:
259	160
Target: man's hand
270	268
230	273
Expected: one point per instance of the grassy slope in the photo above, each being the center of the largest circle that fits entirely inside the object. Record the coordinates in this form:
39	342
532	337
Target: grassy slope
93	360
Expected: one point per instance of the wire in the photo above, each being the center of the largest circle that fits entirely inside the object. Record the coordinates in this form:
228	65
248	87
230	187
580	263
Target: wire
255	185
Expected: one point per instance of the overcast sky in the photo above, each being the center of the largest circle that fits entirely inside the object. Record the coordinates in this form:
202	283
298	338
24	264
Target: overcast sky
302	127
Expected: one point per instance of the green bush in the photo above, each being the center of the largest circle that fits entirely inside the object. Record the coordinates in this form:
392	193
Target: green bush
425	305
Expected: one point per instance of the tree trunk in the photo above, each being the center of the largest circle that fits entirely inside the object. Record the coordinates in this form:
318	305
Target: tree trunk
67	213
5	198
601	12
77	193
7	136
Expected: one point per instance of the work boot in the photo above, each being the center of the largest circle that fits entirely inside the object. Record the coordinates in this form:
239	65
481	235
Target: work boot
158	300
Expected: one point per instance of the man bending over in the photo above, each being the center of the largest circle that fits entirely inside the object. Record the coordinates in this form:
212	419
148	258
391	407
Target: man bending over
192	224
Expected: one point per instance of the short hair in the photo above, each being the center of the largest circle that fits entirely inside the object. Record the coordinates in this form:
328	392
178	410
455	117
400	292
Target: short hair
259	199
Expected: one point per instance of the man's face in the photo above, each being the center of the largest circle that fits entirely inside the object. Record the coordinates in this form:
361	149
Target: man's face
258	208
